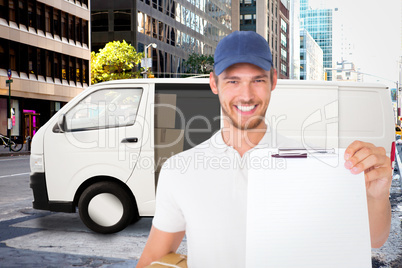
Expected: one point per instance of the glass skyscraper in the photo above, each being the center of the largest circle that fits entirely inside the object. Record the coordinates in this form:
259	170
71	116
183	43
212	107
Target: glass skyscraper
318	23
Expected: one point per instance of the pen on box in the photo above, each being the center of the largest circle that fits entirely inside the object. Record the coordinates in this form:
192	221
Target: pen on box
305	150
290	155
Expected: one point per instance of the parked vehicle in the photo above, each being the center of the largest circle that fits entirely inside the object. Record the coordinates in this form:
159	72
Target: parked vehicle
103	150
398	130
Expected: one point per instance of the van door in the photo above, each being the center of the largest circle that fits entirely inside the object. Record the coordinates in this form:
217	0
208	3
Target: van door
102	137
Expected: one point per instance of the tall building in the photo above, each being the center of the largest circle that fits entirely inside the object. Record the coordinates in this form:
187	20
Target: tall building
45	44
294	45
269	18
177	27
346	71
318	22
311	58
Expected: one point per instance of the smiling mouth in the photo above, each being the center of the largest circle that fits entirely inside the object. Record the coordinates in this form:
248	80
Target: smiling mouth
245	108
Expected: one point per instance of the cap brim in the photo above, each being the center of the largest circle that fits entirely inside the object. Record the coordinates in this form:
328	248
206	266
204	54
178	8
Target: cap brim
258	61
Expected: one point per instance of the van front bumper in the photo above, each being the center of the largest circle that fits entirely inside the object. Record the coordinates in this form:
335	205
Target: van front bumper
41	199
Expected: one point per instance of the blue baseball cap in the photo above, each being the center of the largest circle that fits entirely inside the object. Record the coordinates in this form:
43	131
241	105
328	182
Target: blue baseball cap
242	47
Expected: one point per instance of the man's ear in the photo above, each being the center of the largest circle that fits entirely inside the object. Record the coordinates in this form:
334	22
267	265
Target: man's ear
213	83
274	79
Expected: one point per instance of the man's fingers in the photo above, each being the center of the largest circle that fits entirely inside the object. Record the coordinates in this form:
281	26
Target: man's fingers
378	173
358	163
355	147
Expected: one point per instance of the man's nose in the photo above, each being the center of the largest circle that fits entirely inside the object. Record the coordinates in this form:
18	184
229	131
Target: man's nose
247	92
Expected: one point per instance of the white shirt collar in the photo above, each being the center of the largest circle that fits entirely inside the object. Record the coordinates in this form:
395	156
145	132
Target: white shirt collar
218	145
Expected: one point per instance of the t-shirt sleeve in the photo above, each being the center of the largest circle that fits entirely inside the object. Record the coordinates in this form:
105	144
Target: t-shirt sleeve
168	214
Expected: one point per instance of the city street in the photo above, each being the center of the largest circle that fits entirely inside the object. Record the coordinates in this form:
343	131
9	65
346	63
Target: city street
34	238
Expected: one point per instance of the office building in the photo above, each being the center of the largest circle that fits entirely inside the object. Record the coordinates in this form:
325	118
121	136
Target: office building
346	71
45	44
318	22
294	51
269	18
178	28
311	58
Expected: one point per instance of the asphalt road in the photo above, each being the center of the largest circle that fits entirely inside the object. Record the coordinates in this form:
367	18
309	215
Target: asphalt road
34	238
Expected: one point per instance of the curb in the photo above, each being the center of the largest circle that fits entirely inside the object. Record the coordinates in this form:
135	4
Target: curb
14	154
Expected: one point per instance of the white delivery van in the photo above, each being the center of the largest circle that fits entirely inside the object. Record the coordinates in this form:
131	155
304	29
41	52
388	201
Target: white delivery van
103	150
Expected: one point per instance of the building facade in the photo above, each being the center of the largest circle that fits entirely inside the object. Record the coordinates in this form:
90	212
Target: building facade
311	58
45	44
318	22
178	28
346	71
271	19
294	40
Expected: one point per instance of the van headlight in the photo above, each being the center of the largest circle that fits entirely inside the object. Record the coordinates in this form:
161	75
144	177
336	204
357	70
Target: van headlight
36	163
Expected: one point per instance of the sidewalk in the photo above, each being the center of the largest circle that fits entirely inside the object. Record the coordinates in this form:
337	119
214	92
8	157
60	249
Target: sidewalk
7	152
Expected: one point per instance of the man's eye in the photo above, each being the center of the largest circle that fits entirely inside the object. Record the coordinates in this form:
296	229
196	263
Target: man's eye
259	81
232	82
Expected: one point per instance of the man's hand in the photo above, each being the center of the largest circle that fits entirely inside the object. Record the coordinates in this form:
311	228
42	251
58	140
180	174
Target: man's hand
362	156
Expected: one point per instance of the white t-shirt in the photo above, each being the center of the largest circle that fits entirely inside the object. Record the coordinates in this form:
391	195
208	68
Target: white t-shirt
203	191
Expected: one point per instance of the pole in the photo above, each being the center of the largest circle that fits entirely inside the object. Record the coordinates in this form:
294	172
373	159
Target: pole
146	62
9	116
9	124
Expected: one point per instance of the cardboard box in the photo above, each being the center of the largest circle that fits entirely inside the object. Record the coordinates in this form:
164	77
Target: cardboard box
168	142
165	110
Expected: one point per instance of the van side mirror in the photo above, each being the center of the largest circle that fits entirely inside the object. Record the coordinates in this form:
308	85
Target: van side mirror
61	123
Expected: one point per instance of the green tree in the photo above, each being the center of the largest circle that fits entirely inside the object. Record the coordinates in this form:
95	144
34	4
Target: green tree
199	64
115	61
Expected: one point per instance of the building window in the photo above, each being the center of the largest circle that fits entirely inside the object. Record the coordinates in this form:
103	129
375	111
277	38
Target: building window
3	9
283	40
48	20
154	28
284	55
57	69
49	65
85	73
284	69
122	20
249	18
11	10
284	26
99	21
64	25
32	60
148	22
85	31
3	54
31	14
78	30
40	62
78	70
39	17
22	13
64	67
13	58
56	23
71	71
71	25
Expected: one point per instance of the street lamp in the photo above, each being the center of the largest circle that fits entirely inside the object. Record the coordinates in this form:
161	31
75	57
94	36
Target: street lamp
146	58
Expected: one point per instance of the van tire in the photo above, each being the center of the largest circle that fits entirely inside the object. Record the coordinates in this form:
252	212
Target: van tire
106	208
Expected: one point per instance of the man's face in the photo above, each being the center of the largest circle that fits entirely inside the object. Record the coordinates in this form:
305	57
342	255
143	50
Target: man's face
244	92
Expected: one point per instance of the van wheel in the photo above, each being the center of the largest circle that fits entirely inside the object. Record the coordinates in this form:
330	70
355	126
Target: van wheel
106	208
